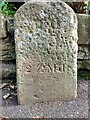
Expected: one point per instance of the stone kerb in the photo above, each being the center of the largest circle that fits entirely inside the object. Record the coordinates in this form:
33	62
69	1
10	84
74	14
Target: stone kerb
46	52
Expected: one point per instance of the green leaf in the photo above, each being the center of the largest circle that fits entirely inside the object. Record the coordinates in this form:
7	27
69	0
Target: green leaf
11	5
7	8
1	4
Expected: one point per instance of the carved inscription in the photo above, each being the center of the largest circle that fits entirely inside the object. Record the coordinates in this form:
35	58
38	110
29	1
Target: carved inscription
28	68
46	67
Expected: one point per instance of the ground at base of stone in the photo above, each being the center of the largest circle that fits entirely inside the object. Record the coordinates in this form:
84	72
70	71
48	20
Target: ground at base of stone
76	108
9	95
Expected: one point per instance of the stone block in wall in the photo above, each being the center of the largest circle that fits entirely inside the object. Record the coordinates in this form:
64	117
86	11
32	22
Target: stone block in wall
89	50
10	26
83	28
7	70
7	46
83	52
84	64
83	41
7	49
2	26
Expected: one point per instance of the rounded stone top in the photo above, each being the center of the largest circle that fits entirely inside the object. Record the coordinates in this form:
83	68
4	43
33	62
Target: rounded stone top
56	16
63	4
58	4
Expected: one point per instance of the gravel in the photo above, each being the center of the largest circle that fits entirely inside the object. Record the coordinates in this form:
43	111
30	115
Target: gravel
76	108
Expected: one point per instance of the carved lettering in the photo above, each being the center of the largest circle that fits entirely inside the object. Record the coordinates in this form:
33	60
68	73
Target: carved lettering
28	68
41	68
46	67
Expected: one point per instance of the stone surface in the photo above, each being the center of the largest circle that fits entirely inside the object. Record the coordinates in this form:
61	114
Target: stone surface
7	49
83	52
7	70
84	64
83	41
7	46
2	26
83	29
10	27
46	52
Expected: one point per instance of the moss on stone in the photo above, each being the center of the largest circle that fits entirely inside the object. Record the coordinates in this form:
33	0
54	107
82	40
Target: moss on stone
85	74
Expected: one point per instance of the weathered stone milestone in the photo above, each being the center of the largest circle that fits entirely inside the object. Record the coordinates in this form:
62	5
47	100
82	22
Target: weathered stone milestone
46	52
